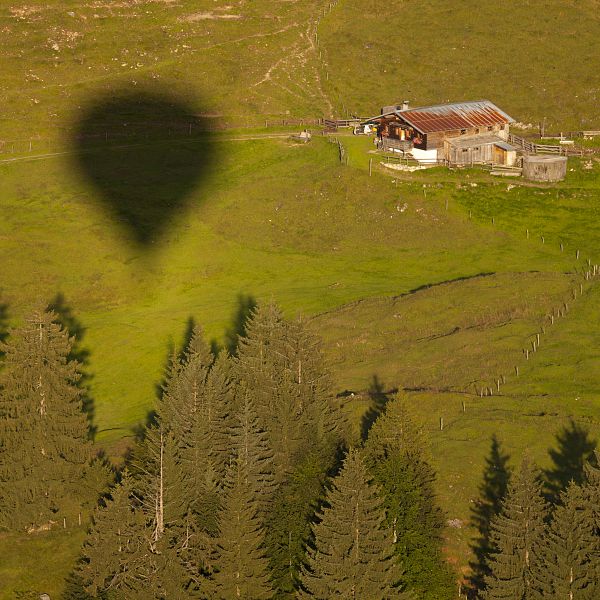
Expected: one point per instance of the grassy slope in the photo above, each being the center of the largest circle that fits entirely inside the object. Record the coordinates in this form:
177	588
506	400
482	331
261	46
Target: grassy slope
287	222
536	59
58	56
442	345
343	237
474	333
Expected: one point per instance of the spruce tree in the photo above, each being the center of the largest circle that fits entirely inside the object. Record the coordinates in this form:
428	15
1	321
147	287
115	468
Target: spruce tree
568	561
281	365
43	431
122	557
591	490
185	381
516	535
219	413
352	555
395	457
116	555
241	565
289	521
160	483
204	440
492	491
254	456
261	372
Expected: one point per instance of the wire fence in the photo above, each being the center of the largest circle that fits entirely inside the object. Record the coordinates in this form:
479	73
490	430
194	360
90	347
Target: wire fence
122	132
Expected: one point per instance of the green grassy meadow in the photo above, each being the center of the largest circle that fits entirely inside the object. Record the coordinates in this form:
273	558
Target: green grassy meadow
535	59
433	282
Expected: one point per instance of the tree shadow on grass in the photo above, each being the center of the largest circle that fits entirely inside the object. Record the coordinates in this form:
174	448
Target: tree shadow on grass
140	429
378	397
73	326
174	356
245	305
492	490
575	448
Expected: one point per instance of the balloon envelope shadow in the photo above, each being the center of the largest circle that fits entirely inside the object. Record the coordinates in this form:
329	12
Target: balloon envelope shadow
145	152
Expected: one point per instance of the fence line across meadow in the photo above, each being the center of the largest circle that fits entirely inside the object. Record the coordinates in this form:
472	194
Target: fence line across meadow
563	135
142	130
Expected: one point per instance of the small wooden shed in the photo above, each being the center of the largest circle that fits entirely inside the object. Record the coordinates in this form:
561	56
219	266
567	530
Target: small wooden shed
477	149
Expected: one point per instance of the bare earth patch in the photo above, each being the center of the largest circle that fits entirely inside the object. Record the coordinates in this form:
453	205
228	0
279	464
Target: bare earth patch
208	16
26	12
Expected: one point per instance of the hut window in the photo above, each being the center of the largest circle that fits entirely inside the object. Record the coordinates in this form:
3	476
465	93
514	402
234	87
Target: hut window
465	150
463	131
477	130
502	127
490	128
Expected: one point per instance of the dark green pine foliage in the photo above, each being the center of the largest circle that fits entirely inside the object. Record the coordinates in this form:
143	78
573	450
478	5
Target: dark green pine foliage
218	409
321	420
184	384
115	555
352	555
395	457
492	491
516	535
242	569
160	483
44	447
121	559
161	493
204	438
166	486
254	456
281	365
289	521
591	490
568	561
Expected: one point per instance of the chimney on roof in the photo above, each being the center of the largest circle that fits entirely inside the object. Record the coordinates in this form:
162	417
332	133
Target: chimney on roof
405	105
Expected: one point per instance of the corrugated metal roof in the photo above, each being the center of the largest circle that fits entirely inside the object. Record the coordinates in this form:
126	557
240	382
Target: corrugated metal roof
505	146
460	115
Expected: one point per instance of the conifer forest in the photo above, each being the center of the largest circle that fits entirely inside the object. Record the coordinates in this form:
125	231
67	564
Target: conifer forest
245	483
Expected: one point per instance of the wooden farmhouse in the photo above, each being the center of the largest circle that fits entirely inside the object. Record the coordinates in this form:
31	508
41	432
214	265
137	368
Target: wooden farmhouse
461	133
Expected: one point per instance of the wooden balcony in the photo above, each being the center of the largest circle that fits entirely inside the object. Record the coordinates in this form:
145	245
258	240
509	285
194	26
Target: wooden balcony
393	145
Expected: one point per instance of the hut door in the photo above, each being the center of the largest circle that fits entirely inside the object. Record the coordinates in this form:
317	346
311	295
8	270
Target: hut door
499	156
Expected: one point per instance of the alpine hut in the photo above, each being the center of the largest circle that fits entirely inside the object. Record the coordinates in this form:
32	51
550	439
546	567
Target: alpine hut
457	134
